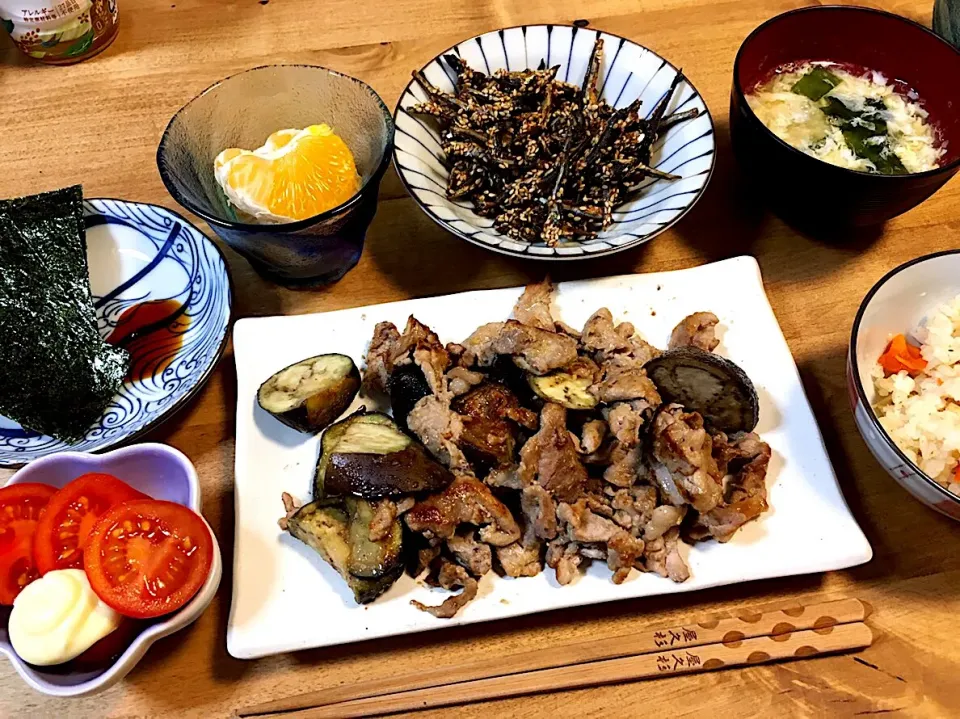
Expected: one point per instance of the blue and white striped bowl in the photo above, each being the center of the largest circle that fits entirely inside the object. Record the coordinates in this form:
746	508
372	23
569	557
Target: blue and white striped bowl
136	253
628	71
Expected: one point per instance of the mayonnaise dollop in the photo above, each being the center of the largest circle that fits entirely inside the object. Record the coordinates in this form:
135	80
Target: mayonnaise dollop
58	617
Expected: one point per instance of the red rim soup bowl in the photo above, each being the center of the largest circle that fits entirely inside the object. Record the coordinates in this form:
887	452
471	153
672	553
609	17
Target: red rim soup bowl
810	193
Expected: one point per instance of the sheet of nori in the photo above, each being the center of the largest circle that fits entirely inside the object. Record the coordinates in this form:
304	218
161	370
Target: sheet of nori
57	375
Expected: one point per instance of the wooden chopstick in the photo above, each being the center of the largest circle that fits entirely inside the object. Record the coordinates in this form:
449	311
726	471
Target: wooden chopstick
746	624
707	657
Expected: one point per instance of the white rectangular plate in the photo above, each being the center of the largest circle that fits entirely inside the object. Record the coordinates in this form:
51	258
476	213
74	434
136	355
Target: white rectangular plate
286	598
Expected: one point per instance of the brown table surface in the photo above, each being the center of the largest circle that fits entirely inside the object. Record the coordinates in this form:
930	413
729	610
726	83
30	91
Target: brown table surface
98	123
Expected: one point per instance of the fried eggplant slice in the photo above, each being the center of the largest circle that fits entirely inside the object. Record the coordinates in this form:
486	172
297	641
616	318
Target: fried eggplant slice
708	384
407	386
564	388
368	456
312	393
371	559
326	530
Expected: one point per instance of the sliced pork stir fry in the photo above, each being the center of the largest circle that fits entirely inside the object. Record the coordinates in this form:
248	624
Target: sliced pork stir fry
532	349
563	449
696	330
533	307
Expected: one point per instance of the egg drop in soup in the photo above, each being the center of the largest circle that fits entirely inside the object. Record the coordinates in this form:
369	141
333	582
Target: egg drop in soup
854	119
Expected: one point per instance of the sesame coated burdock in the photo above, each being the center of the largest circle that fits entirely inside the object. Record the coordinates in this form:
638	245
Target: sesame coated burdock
547	160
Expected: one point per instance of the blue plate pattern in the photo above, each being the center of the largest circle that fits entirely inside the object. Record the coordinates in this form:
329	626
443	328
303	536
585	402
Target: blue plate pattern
628	71
139	252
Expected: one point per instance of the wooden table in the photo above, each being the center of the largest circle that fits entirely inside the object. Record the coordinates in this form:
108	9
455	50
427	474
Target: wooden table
98	123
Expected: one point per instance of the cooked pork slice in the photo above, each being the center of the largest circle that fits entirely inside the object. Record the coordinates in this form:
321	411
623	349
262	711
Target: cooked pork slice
564	328
696	330
505	477
518	560
389	349
745	494
550	456
564	559
405	505
642	351
532	349
626	419
592	435
523	416
533	307
583	525
662	519
662	556
380	356
384	515
428	353
471	553
624	379
683	447
451	576
459	357
488	413
623	552
625	464
460	380
426	557
440	430
632	507
625	330
466	500
600	335
732	452
541	514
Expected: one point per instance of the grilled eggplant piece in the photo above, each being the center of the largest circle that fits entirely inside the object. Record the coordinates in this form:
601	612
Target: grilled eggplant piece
367	455
326	530
407	387
564	388
312	393
371	559
709	384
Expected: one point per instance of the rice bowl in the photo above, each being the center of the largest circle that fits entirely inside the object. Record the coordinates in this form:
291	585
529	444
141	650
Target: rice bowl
920	412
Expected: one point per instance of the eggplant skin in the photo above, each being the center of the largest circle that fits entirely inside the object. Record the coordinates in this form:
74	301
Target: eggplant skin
716	388
326	530
407	387
373	476
310	394
335	433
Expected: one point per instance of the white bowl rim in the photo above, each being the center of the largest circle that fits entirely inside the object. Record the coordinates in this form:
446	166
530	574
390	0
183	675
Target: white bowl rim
182	618
576	25
855	371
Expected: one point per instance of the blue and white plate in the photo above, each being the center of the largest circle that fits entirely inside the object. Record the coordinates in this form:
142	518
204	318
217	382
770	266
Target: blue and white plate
628	71
140	253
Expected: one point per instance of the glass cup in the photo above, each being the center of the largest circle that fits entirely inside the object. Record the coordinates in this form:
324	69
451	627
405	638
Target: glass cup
242	111
60	32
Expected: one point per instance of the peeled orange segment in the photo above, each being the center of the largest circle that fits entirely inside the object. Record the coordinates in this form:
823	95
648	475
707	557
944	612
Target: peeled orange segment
296	174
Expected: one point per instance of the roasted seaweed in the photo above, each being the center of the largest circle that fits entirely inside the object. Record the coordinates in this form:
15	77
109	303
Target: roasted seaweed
59	374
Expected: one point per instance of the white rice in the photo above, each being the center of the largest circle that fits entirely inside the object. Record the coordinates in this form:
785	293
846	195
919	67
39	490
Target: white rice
921	414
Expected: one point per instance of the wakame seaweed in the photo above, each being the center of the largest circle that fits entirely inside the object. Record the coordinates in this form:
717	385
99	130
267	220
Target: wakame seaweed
58	373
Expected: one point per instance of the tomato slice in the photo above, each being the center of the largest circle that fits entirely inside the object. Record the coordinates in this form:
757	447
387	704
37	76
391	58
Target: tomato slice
70	515
20	507
148	557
